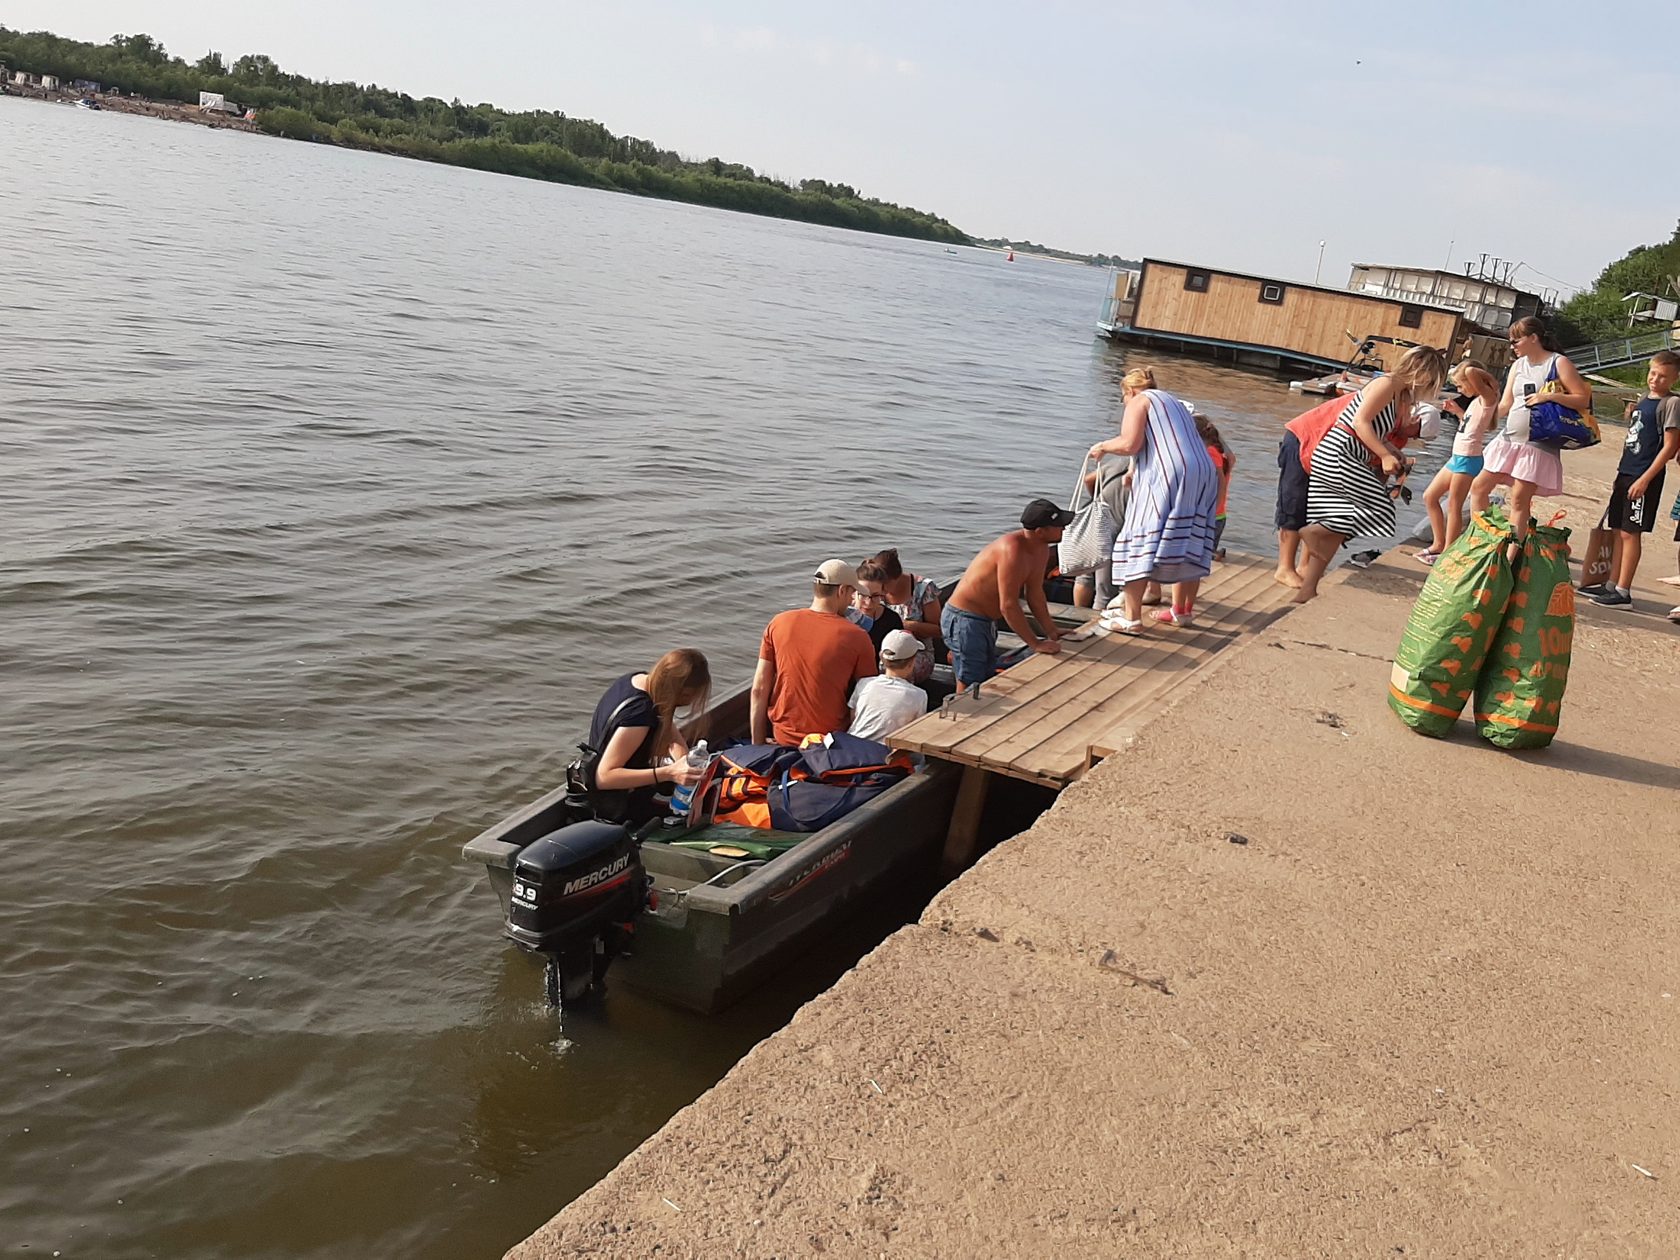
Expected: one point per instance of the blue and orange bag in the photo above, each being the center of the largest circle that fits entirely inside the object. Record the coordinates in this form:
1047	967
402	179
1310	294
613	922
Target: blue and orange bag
804	788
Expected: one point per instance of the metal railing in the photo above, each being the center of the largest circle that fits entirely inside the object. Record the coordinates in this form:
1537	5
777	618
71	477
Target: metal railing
1620	351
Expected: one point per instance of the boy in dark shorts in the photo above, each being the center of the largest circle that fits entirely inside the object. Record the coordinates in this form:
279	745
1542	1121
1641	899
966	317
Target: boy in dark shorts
1653	439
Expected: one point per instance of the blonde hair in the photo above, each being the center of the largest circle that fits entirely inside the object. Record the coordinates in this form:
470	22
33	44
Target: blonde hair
681	674
1139	378
1464	375
1420	371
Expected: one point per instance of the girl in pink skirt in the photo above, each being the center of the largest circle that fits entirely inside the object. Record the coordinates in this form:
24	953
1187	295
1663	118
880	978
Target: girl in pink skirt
1510	459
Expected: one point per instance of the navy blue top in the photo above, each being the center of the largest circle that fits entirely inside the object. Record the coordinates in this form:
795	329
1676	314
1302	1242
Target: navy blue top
1645	432
635	805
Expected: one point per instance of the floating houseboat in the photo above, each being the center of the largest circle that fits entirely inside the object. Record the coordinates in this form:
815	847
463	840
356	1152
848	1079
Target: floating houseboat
1260	321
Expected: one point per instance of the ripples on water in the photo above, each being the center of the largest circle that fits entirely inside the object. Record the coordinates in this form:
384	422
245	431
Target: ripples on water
336	487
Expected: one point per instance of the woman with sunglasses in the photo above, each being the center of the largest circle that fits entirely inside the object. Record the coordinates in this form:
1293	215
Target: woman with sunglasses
1510	459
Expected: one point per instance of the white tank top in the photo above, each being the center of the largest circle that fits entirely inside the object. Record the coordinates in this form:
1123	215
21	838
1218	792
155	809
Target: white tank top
1523	375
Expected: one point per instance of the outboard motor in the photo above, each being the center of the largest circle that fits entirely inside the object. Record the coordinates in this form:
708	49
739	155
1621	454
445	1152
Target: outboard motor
576	895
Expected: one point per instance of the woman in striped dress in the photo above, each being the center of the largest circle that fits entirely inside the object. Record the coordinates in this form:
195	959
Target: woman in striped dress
1347	490
1167	535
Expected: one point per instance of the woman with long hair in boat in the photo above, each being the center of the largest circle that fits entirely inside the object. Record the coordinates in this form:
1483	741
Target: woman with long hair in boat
915	600
1347	490
1510	459
635	725
1167	535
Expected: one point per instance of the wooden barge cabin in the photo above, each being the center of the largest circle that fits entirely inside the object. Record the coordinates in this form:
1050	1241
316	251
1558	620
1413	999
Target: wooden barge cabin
1263	322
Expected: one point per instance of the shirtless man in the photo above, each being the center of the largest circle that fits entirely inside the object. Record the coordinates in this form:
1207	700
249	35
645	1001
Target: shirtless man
993	585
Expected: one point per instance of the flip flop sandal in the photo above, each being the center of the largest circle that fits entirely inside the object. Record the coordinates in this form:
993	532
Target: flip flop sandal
1120	625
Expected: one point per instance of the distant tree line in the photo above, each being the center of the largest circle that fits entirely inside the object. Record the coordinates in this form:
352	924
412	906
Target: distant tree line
1600	313
537	144
1029	247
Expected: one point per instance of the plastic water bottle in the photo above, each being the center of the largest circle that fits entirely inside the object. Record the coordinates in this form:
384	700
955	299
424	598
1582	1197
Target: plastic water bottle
683	794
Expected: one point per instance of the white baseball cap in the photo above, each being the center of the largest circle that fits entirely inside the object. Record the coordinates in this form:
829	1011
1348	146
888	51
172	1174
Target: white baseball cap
899	645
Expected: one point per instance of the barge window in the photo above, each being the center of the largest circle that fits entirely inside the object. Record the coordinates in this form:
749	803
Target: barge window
1271	294
1411	317
1197	281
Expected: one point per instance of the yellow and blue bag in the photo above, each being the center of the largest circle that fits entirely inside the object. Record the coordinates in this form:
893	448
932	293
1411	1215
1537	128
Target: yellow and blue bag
1560	426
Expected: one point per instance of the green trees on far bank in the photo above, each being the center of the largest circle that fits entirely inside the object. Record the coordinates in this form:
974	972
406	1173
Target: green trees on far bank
1600	313
536	144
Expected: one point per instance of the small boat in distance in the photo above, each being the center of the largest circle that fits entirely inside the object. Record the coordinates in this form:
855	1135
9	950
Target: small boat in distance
950	251
87	102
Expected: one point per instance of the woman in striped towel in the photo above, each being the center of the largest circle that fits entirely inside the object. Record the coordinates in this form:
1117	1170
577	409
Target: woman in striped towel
1167	535
1347	495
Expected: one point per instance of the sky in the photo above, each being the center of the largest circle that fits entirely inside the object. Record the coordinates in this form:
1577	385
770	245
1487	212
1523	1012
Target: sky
1231	133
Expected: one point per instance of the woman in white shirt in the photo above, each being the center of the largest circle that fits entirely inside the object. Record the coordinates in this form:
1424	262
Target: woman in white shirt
1511	459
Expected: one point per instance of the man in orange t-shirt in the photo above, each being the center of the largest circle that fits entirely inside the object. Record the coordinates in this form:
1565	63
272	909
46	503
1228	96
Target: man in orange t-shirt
808	661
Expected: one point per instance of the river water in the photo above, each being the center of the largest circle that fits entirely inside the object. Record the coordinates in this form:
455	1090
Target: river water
335	488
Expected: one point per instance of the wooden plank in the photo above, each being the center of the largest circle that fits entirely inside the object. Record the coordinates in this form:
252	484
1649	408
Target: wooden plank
1119	722
1127	658
1071	692
962	837
1047	701
1056	745
998	698
1041	680
937	733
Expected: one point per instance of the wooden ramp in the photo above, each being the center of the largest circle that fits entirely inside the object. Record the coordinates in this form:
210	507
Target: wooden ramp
1050	718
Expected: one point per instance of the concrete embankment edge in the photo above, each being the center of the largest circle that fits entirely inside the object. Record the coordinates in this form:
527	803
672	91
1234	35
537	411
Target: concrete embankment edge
1430	1007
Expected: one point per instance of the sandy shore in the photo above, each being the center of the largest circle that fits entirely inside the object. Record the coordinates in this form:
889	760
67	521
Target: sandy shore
136	105
1428	1005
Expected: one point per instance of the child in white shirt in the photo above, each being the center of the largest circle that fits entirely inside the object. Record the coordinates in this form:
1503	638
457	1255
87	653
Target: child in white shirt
889	700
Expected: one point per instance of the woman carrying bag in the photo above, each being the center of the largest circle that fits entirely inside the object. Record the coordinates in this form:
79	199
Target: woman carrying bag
1519	457
1086	551
1167	533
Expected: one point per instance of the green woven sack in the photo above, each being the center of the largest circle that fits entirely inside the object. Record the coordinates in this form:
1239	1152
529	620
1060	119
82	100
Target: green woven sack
1451	627
1519	693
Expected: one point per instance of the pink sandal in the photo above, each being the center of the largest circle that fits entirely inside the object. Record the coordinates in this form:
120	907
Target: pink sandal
1175	617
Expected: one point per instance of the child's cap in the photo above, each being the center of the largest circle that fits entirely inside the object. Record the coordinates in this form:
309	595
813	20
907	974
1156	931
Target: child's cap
899	645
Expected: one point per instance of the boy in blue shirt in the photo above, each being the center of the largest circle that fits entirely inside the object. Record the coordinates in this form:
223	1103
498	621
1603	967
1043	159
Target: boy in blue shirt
1653	439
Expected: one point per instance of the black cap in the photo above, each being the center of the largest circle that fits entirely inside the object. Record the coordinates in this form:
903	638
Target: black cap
1042	512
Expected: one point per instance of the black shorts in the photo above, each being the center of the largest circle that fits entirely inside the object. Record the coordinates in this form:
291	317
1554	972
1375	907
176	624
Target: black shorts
1292	485
1640	516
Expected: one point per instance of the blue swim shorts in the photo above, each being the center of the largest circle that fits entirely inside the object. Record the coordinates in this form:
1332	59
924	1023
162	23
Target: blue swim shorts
1292	485
973	643
1468	464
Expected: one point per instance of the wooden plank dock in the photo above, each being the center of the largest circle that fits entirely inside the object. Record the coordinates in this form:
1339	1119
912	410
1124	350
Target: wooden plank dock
1050	718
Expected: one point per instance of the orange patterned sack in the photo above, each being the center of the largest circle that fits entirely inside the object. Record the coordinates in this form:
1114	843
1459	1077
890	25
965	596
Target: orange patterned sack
1451	627
1519	694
